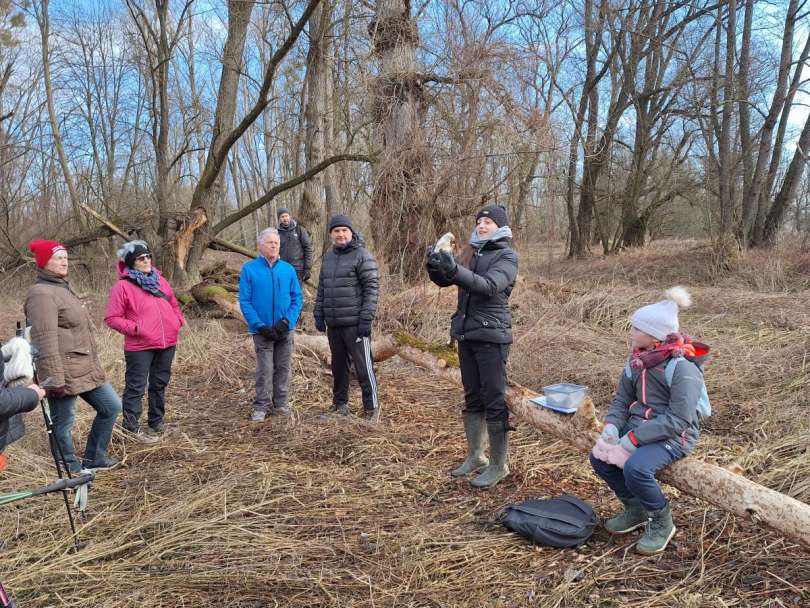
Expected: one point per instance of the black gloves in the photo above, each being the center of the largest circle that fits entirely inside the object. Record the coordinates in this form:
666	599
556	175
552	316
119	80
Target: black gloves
281	328
320	324
441	262
364	328
267	332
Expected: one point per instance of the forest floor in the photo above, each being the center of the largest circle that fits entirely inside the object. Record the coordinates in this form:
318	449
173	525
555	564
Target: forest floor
316	511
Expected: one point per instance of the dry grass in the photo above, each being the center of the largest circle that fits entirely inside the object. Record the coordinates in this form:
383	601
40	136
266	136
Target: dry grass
313	512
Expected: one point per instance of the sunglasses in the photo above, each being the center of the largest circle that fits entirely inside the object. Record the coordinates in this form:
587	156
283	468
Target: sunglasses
144	256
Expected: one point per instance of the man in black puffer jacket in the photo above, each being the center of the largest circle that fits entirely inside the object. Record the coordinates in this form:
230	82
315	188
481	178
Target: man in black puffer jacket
348	289
296	246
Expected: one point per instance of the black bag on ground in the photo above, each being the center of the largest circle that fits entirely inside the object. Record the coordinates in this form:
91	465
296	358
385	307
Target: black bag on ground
566	521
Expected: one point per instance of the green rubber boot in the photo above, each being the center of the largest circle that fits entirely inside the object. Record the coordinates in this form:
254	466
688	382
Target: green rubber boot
659	532
475	428
499	454
634	516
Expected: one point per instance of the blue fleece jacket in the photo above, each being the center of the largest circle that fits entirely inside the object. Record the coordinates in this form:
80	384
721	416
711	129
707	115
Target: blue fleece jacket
268	293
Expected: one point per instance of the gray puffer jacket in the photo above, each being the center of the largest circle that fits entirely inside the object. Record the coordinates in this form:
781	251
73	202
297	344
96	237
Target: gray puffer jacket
647	406
348	286
13	402
483	312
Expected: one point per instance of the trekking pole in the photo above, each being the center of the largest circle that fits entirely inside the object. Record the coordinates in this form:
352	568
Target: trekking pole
56	449
61	485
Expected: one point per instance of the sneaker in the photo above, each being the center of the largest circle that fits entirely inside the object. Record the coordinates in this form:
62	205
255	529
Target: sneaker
372	415
108	463
342	410
143	436
280	411
158	428
258	416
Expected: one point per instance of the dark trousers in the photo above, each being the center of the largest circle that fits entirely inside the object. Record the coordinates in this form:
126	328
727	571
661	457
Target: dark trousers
483	374
146	367
637	479
344	344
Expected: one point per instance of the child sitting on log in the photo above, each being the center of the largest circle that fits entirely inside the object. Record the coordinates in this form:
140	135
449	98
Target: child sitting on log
653	420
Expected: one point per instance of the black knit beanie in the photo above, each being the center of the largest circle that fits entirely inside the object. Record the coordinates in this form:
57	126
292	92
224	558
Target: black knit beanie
340	220
494	212
134	252
281	211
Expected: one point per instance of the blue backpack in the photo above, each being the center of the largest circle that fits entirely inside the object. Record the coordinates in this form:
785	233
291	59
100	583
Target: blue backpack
704	406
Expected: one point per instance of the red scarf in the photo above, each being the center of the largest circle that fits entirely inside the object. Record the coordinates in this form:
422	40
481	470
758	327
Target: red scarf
675	345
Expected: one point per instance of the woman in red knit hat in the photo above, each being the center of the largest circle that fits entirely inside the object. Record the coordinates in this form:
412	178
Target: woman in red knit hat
67	361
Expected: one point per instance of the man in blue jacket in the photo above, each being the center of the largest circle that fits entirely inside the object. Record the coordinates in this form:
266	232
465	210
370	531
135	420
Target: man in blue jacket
271	300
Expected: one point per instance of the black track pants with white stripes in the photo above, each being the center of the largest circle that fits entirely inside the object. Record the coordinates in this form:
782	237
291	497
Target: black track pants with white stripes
345	345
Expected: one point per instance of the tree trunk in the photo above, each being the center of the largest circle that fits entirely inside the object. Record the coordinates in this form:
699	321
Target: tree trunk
400	195
43	18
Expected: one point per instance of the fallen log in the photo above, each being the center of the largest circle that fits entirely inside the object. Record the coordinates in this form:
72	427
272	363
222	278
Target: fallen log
219	296
713	484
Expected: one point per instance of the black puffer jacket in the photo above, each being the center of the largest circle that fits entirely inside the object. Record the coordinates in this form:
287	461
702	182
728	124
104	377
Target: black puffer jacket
348	286
296	247
483	293
13	401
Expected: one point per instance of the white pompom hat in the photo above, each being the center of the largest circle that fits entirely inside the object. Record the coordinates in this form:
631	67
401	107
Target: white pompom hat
661	319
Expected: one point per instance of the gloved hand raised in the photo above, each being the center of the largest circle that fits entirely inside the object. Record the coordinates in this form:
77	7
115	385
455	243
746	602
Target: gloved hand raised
447	264
364	328
431	258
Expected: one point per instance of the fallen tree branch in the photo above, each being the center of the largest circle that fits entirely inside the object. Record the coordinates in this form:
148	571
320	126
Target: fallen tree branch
223	245
708	482
113	228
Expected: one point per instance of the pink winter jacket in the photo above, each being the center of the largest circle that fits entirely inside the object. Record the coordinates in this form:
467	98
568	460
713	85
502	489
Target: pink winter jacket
147	321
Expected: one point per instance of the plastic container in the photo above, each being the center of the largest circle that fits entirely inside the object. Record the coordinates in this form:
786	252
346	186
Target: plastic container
565	395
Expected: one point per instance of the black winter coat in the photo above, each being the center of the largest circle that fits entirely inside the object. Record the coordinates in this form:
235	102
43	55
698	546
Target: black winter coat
296	247
13	401
483	312
348	286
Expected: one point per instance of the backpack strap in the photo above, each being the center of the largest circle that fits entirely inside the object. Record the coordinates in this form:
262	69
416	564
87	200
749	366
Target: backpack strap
669	370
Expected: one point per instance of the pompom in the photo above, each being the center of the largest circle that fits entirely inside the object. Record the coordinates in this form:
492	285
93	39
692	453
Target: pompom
679	295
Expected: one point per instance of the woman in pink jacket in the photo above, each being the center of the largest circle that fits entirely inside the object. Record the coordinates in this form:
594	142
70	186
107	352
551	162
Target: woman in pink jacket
143	308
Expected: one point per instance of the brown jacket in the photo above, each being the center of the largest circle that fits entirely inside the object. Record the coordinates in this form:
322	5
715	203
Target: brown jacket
62	330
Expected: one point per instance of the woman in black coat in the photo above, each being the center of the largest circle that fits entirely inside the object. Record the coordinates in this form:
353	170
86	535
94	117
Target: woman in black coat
485	274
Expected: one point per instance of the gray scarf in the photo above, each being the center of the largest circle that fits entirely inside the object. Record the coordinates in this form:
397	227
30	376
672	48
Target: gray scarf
503	232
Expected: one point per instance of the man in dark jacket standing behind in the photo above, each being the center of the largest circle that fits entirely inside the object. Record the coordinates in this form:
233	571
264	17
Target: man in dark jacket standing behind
296	246
348	289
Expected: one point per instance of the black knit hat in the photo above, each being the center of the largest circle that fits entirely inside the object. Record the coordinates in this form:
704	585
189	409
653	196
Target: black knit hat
132	250
494	212
340	220
281	211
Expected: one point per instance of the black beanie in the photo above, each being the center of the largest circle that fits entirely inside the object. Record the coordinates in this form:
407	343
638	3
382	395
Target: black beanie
340	220
137	250
281	211
494	212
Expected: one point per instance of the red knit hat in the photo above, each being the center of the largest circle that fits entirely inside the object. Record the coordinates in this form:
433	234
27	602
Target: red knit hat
44	250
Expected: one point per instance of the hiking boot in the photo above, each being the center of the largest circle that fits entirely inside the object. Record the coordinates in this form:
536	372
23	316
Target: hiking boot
658	533
108	463
280	411
143	436
475	428
372	415
499	456
258	416
634	516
